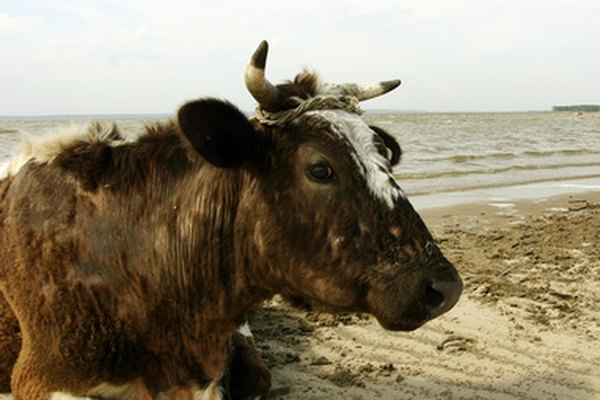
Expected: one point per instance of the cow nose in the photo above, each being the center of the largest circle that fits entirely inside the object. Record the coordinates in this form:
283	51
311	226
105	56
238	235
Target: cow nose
441	296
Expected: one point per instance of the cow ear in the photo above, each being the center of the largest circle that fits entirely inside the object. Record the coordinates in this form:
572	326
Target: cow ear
394	149
219	131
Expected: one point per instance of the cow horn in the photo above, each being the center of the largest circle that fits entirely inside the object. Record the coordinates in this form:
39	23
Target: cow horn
263	91
364	91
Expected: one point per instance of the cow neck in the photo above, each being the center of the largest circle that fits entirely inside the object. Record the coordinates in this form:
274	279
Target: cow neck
207	301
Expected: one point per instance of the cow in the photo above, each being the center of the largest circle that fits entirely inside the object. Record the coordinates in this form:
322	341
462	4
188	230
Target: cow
127	266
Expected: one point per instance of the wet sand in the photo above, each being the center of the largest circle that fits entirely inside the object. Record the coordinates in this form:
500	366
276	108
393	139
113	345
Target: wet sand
527	326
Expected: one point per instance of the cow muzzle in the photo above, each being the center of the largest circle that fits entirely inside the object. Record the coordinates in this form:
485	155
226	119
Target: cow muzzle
441	295
415	293
444	286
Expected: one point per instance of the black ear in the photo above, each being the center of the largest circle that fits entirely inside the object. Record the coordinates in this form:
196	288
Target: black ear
391	144
219	131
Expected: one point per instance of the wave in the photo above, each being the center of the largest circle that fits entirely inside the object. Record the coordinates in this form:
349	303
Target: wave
467	158
463	158
567	152
498	184
491	171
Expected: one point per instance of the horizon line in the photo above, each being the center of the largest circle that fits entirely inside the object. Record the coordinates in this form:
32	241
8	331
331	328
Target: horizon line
167	114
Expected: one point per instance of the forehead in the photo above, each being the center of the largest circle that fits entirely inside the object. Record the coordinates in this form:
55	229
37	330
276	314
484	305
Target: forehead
370	163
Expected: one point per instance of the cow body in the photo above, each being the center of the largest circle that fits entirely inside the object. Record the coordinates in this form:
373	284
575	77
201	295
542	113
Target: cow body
101	262
128	265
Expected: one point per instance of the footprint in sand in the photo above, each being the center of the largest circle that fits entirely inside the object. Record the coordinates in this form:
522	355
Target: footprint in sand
455	344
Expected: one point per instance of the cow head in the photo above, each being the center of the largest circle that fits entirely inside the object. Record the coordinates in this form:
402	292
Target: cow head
321	219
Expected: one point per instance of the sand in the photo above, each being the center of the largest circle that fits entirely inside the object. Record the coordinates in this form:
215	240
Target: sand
526	327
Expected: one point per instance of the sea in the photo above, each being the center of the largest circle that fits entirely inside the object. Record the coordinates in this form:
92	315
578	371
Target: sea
442	152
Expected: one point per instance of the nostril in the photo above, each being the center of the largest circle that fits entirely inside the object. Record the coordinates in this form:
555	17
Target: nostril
441	296
433	298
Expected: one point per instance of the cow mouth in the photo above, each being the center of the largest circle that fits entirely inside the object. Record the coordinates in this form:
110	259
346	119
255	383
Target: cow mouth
395	309
434	298
404	325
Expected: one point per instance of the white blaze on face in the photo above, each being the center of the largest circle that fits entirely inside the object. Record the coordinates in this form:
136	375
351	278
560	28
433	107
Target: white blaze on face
370	162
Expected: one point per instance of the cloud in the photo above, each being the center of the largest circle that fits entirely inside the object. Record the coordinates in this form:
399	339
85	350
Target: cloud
13	25
148	55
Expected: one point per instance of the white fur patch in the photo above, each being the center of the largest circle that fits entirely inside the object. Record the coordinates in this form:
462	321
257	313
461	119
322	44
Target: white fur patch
12	167
370	162
244	329
66	396
137	391
128	391
44	149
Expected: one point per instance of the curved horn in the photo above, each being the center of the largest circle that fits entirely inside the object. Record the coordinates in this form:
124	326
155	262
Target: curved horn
365	91
263	91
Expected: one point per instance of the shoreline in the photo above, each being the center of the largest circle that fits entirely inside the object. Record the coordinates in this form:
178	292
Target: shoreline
484	215
506	195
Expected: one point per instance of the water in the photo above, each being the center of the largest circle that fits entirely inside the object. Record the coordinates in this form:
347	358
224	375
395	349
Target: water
442	152
455	152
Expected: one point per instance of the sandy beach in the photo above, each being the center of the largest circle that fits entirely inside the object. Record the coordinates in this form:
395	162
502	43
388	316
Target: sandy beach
527	326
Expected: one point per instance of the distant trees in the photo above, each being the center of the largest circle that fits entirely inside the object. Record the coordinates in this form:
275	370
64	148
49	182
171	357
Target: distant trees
578	108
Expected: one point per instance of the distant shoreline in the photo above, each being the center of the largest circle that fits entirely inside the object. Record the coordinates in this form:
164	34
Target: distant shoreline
108	116
371	111
578	108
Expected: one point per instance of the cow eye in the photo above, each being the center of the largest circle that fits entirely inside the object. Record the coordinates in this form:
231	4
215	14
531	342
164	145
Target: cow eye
321	172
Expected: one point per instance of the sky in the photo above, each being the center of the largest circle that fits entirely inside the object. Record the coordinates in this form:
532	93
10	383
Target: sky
150	56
